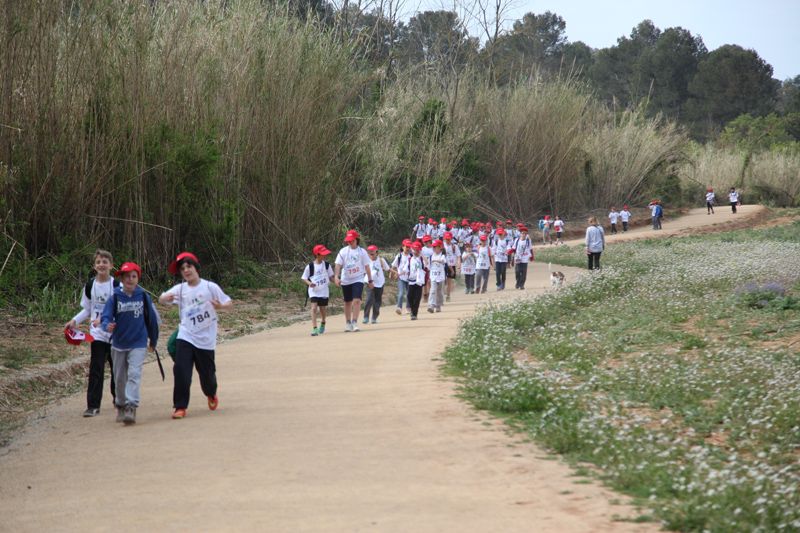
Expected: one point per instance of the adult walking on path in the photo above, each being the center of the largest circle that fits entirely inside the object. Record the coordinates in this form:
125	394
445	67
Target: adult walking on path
595	243
352	264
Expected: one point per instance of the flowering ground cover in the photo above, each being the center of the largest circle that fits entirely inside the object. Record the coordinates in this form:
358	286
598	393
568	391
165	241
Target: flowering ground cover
674	371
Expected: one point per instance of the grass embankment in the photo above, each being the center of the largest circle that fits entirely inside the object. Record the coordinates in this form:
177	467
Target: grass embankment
674	372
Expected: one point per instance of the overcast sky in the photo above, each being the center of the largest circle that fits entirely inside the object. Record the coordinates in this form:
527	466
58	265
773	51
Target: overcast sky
770	27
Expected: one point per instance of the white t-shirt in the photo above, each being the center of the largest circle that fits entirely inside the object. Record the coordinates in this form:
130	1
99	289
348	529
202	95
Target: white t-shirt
734	197
321	277
426	253
523	250
613	216
401	263
438	262
499	251
710	197
558	225
653	208
354	263
378	277
451	251
416	271
92	308
198	316
482	262
468	263
625	215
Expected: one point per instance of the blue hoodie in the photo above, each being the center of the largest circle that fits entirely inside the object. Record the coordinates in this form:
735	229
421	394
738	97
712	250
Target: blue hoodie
128	313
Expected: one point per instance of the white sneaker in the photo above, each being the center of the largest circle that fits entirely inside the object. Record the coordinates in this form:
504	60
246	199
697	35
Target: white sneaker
349	327
355	326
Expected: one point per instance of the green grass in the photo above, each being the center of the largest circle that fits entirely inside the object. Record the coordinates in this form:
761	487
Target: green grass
669	370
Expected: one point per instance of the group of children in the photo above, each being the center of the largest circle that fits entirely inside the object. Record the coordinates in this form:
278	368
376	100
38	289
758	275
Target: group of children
711	200
124	326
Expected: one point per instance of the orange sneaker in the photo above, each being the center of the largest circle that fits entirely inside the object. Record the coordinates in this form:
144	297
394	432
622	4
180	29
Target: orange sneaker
213	402
179	413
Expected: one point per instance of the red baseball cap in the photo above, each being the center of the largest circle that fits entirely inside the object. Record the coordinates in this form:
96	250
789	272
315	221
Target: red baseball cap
431	221
76	336
175	265
128	267
501	231
624	207
483	237
407	242
509	221
422	217
372	248
444	219
448	235
426	238
437	242
351	235
416	245
320	249
523	228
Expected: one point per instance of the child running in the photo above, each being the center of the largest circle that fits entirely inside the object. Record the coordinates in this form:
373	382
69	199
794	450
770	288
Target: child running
438	265
352	263
317	275
452	254
523	254
400	267
379	267
416	278
500	255
483	262
132	320
468	261
93	299
625	215
198	301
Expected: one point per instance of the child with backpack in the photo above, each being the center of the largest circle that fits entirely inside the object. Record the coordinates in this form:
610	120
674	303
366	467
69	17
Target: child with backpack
438	265
400	266
500	254
96	293
523	254
379	267
318	275
132	320
468	261
483	262
416	278
198	301
452	254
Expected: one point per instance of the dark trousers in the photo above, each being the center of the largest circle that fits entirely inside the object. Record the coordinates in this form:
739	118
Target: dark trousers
614	228
374	302
594	260
101	352
500	274
186	357
521	274
709	207
414	297
469	282
733	207
624	226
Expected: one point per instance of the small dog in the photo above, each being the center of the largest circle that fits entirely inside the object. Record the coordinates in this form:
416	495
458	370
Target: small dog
557	279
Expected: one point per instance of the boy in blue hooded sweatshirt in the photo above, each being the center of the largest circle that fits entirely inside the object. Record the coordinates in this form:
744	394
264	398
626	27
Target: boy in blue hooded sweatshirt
131	319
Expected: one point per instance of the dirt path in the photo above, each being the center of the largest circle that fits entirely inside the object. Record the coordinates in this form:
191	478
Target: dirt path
344	432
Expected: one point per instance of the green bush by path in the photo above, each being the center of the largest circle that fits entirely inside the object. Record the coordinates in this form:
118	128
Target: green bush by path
659	371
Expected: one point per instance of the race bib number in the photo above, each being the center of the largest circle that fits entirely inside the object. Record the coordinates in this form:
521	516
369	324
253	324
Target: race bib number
97	310
199	317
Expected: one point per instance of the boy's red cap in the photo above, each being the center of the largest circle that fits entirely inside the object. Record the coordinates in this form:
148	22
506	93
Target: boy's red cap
520	224
448	235
624	207
76	336
444	219
509	221
483	237
372	248
128	267
422	217
501	231
416	245
426	238
407	242
320	249
437	242
547	217
431	221
523	228
351	235
173	267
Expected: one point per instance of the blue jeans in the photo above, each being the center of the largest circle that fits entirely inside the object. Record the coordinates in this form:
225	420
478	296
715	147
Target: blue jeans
402	291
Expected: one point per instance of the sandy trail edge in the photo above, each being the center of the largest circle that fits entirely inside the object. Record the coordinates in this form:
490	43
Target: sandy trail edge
344	432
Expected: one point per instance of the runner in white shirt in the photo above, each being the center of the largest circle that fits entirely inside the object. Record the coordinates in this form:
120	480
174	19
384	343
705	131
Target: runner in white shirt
416	278
468	261
613	216
500	254
625	215
198	301
419	229
452	254
733	196
711	199
438	266
352	264
400	266
523	254
427	252
318	275
483	262
378	267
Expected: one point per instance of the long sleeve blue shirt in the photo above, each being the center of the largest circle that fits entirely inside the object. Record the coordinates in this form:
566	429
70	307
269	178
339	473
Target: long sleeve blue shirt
129	315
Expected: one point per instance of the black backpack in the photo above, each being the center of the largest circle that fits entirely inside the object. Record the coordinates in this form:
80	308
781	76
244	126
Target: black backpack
87	289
